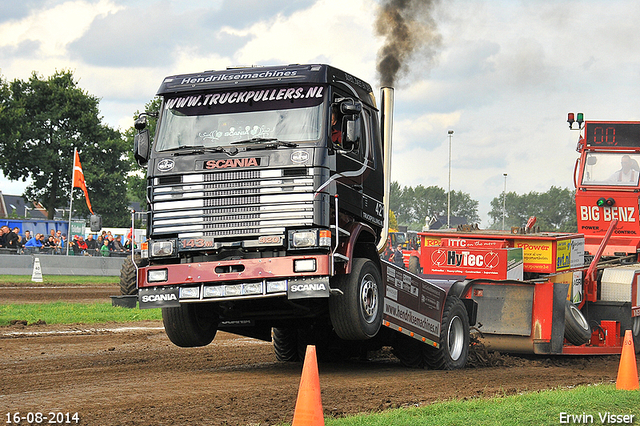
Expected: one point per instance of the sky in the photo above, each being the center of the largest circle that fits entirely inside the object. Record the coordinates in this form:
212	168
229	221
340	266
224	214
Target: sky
503	76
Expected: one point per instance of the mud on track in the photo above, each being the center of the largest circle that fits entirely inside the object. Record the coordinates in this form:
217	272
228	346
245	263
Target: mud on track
130	374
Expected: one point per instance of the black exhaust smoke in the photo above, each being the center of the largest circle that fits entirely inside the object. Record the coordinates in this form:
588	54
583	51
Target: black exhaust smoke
410	34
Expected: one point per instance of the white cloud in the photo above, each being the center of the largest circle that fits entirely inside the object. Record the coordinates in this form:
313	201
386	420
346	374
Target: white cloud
55	28
333	31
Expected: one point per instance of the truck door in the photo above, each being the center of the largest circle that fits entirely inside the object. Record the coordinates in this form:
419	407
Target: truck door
350	165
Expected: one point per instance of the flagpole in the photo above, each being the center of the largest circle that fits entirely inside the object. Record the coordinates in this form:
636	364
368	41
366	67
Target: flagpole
73	177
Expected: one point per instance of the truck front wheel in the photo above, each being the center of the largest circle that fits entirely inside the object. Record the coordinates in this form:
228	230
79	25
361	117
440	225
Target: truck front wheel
357	313
454	338
190	324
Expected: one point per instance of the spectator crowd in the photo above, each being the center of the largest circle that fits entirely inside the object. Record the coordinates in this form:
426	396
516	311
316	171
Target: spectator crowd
105	244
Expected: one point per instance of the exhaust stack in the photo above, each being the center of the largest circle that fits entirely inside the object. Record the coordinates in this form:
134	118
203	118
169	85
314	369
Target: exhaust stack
386	109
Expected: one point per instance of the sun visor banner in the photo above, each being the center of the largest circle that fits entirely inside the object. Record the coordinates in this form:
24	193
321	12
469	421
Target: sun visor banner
246	100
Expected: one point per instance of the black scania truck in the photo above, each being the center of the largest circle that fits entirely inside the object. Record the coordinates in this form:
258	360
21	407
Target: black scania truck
266	189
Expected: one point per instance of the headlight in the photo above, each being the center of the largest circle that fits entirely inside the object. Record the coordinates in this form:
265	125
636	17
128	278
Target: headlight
189	292
304	265
276	286
300	239
162	248
309	238
157	275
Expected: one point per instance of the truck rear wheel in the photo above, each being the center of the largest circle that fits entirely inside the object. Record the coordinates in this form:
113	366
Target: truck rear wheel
190	325
576	328
286	345
409	351
454	338
357	314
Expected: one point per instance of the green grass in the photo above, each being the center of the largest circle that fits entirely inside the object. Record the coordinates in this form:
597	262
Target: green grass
72	313
60	279
538	408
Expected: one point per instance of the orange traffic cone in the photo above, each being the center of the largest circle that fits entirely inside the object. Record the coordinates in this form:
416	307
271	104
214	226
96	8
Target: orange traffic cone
308	410
628	370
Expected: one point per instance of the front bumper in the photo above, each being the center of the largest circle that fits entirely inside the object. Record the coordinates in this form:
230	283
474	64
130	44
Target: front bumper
235	280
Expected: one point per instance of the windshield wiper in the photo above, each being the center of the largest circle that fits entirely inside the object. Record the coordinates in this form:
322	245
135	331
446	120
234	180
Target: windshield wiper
272	145
182	150
254	140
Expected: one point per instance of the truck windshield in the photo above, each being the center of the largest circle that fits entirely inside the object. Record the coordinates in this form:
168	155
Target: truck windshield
224	118
611	169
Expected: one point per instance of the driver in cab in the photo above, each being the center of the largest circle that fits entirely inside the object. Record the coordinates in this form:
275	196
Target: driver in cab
628	172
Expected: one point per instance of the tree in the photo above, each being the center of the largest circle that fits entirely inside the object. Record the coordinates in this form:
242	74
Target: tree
413	205
41	122
393	223
555	210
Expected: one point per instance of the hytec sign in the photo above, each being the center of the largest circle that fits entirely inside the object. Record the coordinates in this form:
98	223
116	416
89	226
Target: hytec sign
464	258
495	263
541	253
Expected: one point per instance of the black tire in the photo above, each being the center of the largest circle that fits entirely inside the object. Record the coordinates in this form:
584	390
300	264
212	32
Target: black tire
409	351
454	338
414	265
128	284
190	325
357	314
635	330
576	328
285	344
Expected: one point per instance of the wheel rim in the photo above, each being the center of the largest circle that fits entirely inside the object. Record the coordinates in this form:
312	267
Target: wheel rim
580	319
369	298
456	338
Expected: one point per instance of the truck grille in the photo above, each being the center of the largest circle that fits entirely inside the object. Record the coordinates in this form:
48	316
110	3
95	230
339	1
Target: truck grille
232	203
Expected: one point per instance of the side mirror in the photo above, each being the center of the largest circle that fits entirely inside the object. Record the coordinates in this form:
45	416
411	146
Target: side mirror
352	133
350	107
141	147
141	122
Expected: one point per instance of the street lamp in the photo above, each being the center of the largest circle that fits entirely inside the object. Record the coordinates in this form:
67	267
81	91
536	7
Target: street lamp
504	198
450	132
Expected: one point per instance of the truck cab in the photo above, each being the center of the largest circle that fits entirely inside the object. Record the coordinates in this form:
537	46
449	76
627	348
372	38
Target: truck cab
606	177
263	184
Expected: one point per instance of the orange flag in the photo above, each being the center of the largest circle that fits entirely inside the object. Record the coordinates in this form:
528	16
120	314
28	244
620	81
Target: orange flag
78	179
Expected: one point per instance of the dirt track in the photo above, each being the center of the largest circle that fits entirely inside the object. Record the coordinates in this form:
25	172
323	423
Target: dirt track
131	374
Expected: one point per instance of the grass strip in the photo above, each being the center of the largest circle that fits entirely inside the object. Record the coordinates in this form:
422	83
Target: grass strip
60	279
72	313
597	404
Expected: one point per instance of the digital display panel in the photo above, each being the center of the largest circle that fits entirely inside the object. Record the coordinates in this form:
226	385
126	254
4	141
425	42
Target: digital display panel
605	134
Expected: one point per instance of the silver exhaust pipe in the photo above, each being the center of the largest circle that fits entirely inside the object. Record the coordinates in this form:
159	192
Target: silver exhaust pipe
386	110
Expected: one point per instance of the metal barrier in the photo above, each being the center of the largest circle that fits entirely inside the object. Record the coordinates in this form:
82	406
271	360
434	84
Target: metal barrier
10	264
